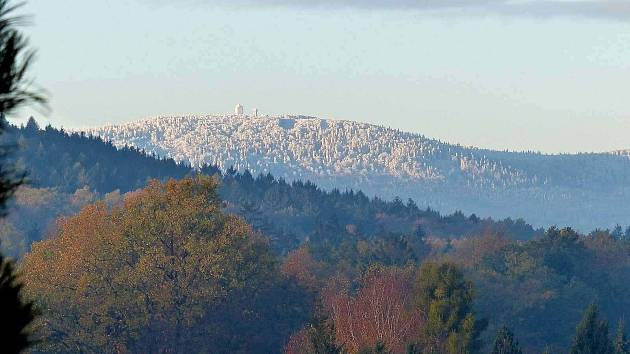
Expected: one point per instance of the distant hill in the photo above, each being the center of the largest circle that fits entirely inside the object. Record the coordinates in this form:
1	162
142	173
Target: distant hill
537	287
624	153
68	170
586	191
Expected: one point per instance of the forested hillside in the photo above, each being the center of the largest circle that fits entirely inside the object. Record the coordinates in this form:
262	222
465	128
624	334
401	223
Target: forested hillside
132	260
585	191
62	164
292	235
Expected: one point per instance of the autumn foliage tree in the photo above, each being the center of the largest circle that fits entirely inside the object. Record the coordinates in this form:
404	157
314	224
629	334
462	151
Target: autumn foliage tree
158	272
304	269
379	315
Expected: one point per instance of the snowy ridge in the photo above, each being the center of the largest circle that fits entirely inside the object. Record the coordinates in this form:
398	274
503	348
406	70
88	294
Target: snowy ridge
303	147
624	153
387	162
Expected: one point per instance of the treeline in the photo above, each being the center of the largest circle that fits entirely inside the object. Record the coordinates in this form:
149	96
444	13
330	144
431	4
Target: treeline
61	165
70	161
165	269
314	268
536	288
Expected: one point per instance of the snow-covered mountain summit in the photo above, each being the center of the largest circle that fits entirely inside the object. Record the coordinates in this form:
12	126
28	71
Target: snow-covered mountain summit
305	147
387	162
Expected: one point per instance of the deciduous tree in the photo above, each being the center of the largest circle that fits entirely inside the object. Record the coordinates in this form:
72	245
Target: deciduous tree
380	312
157	273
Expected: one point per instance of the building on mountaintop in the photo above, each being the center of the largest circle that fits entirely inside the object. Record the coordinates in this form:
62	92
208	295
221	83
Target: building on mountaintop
238	110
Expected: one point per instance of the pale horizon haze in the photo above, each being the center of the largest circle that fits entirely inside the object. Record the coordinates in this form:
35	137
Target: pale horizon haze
549	76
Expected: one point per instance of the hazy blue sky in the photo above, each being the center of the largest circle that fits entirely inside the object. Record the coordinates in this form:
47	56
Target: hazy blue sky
541	75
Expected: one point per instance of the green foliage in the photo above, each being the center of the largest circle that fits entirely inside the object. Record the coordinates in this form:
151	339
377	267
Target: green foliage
16	314
467	339
322	335
621	343
591	335
562	251
413	348
540	288
446	297
505	343
15	61
379	348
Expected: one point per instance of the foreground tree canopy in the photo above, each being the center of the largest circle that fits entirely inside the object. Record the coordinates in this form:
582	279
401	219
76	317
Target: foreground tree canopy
164	270
15	92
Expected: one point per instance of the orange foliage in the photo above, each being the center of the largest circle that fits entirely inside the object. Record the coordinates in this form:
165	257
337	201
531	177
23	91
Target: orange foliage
471	251
299	343
301	266
381	311
148	266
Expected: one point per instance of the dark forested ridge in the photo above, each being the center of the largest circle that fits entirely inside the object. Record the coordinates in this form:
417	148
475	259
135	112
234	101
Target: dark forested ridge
65	163
583	190
308	278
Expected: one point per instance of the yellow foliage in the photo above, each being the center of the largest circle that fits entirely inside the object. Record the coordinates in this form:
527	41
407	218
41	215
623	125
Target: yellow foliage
146	267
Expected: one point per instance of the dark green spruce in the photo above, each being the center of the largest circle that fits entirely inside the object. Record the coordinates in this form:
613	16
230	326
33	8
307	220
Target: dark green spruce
591	335
16	91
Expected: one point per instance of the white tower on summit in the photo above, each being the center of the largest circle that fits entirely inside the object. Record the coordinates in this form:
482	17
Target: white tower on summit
238	110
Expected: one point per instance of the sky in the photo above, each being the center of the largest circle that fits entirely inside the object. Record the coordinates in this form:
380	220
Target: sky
549	76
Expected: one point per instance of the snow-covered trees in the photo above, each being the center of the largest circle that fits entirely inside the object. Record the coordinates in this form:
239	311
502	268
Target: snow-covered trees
388	163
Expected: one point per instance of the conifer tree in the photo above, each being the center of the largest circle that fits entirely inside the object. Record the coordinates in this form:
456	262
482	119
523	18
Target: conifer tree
621	343
15	314
445	297
16	89
505	343
413	348
15	92
322	334
32	125
379	348
591	335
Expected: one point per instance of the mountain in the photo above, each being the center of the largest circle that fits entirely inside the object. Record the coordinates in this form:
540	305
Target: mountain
534	281
625	153
583	190
66	171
